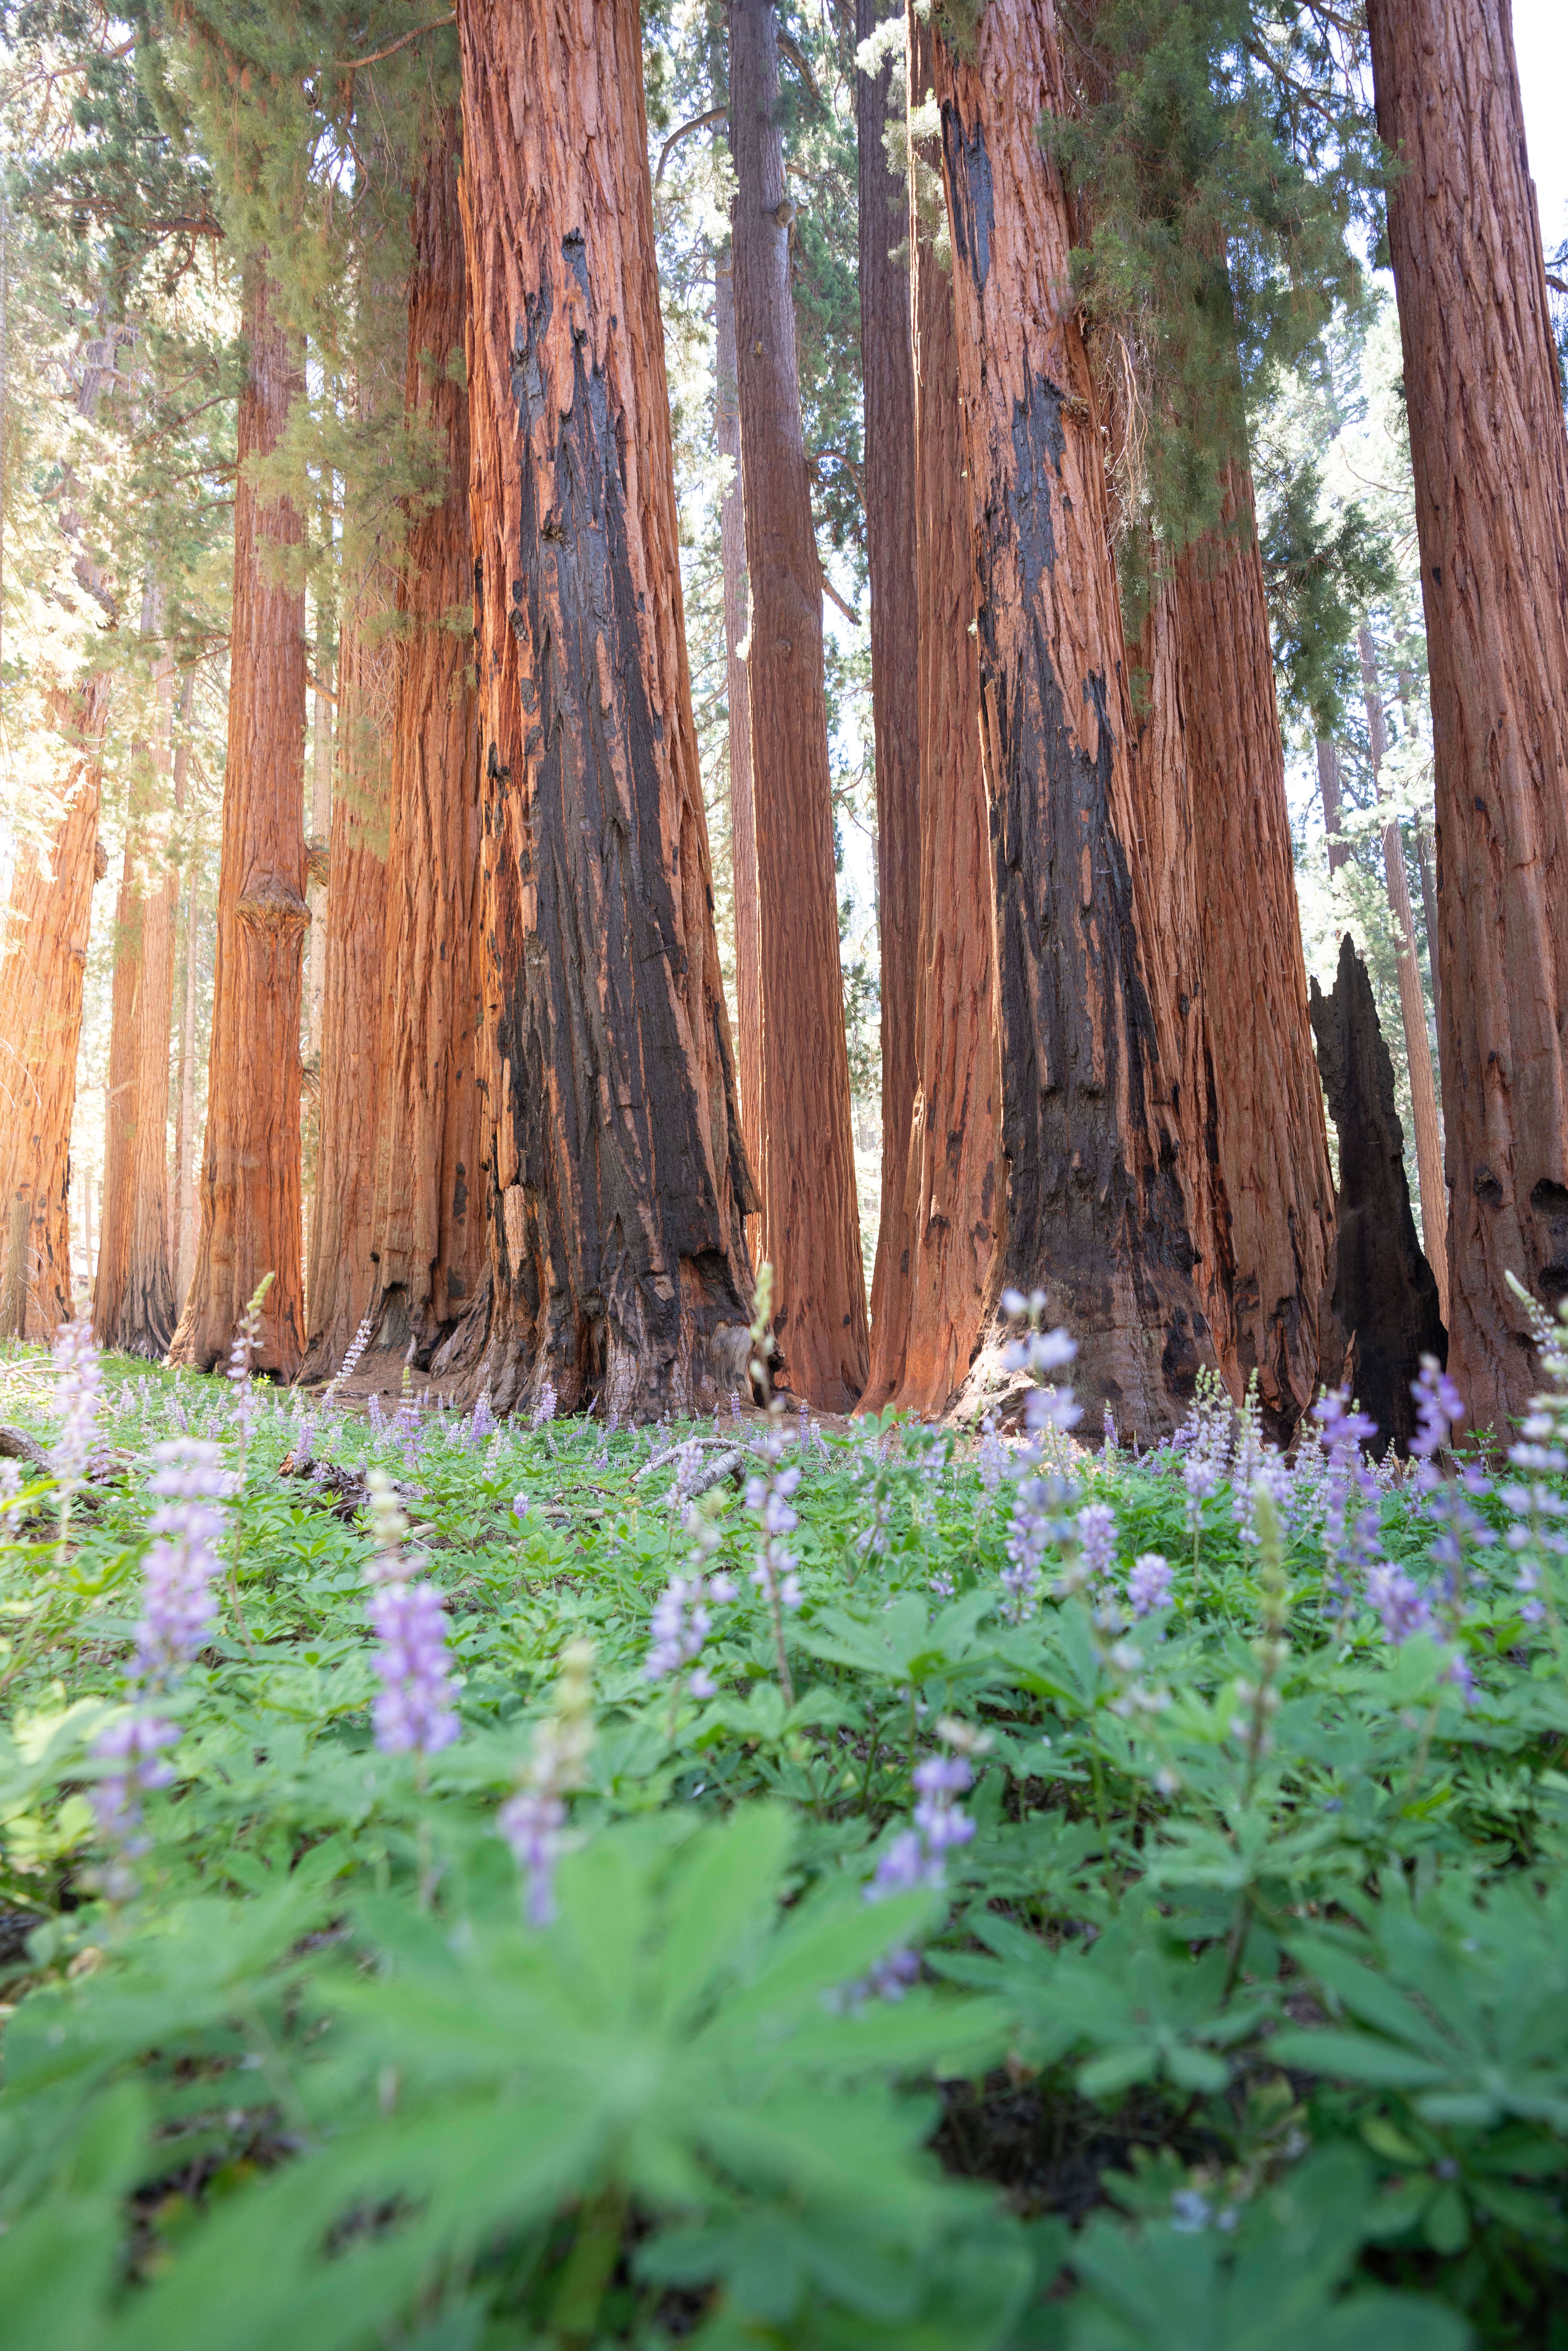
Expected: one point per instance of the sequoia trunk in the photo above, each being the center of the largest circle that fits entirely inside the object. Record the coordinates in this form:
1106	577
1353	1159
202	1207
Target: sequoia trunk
1411	1002
810	1217
618	1258
120	1100
250	1168
888	375
1491	462
428	1241
742	802
341	1278
950	1167
1092	1215
1329	790
1253	1147
41	976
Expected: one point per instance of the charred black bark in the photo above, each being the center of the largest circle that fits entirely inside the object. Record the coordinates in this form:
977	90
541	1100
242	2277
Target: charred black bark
1385	1291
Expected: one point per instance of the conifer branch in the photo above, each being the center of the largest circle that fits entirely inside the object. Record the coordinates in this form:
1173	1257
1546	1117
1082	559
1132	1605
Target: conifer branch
352	65
698	122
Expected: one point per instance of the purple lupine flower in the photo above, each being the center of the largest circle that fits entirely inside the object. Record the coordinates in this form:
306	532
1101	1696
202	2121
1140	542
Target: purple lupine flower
992	1458
1200	1475
1149	1585
414	1713
1096	1540
1351	1534
1399	1602
941	1779
904	1867
482	1420
734	1407
532	1821
1109	1440
350	1362
79	1390
682	1618
544	1404
136	1744
942	1588
1449	1497
775	1571
192	1480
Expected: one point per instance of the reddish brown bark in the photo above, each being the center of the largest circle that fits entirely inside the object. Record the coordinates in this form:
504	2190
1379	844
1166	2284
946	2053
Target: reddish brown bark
810	1218
1412	1000
41	974
950	1169
1091	1214
1254	1145
1491	462
618	1261
428	1239
134	1306
250	1170
888	376
742	801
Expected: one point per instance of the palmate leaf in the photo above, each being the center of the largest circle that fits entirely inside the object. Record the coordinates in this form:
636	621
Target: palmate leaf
907	1644
1459	2002
1270	2283
706	2067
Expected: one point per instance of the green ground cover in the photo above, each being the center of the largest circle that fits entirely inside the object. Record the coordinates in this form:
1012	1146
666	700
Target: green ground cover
904	1894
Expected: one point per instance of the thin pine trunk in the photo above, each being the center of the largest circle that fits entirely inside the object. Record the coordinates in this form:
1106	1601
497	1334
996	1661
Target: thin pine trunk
810	1215
1412	1001
1491	462
888	374
250	1172
1329	790
618	1261
742	797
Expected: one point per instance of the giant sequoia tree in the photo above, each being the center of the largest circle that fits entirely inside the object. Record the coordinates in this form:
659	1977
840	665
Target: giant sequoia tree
1093	1211
924	1339
811	1222
618	1258
250	1168
427	1242
1490	461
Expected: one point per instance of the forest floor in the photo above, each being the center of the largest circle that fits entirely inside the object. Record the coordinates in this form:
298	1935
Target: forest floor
888	1898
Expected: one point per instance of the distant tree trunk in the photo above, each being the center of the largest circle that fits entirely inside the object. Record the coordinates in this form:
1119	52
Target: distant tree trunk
320	826
1429	921
1412	1001
617	1259
428	1239
183	1066
1385	1293
340	1276
185	1205
134	1306
742	799
1329	787
250	1172
811	1216
1254	1145
950	1172
888	375
1092	1215
41	975
120	1100
1491	462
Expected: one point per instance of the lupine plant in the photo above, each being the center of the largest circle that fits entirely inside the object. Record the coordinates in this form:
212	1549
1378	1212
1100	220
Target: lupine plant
973	1887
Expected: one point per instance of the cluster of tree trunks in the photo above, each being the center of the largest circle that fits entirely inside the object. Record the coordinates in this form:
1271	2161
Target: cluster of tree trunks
1490	461
619	1180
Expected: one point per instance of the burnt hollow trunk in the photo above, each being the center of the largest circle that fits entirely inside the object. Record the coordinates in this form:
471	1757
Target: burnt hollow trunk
888	374
619	1184
1490	461
428	1240
1095	1213
951	1166
805	1151
1384	1292
250	1168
